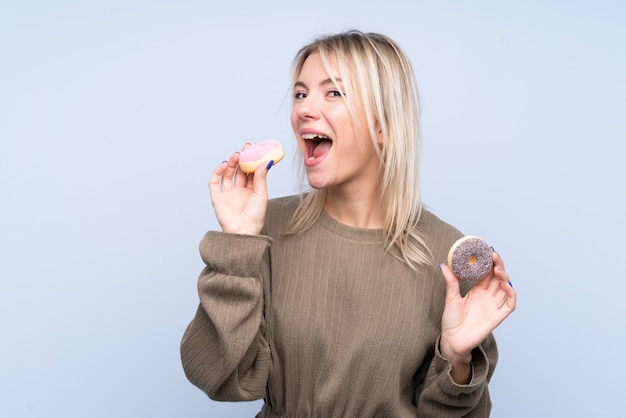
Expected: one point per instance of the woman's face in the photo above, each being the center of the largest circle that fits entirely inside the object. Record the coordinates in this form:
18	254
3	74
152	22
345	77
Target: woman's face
336	154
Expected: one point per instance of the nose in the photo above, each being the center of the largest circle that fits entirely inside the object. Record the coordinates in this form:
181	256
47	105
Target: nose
307	108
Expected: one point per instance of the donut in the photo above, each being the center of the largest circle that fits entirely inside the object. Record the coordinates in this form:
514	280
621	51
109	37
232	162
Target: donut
261	152
470	258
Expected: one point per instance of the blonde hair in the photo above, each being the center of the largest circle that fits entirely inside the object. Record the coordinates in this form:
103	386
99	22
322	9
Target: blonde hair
375	71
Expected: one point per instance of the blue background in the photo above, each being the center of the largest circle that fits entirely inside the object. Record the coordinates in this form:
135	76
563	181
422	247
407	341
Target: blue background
113	115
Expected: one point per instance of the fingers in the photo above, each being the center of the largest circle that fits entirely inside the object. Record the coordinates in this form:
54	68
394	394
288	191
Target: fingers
222	176
215	181
240	178
497	272
227	175
498	266
498	286
452	283
232	177
502	283
258	179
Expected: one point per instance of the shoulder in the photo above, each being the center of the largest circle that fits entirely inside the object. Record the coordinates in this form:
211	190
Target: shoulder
285	203
439	235
279	213
432	224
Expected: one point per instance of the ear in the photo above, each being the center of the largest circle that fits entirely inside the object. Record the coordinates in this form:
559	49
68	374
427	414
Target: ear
379	135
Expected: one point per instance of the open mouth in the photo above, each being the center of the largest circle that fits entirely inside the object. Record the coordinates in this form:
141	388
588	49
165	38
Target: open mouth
316	145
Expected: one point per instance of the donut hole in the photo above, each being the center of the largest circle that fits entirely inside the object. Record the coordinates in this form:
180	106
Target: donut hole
470	258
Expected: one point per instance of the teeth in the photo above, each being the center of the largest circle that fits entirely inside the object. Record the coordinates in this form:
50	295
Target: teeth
313	137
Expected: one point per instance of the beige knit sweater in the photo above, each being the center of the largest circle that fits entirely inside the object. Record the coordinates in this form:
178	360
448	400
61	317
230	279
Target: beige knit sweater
325	324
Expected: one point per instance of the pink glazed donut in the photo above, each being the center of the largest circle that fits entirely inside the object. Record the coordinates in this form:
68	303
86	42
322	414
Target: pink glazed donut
261	152
470	258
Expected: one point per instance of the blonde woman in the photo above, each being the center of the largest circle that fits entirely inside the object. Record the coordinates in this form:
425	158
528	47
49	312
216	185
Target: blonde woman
336	303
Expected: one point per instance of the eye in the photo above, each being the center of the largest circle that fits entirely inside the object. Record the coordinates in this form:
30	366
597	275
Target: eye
299	95
336	93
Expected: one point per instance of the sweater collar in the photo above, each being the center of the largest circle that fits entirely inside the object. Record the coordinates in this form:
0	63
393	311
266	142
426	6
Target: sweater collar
335	227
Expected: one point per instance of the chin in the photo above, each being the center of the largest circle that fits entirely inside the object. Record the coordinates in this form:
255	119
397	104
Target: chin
316	182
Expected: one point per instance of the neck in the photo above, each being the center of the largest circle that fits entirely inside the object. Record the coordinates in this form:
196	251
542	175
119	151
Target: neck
360	209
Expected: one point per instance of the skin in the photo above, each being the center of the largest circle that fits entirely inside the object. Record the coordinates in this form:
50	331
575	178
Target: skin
239	200
350	172
467	321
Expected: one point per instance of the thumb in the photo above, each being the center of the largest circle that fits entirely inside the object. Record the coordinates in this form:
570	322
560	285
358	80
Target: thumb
453	290
260	178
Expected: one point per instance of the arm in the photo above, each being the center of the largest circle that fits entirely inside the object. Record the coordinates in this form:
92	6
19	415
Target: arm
440	396
466	337
224	351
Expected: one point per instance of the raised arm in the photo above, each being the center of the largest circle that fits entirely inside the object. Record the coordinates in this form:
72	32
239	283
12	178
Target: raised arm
224	351
456	381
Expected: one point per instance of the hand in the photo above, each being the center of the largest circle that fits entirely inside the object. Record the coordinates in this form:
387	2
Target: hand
467	321
239	199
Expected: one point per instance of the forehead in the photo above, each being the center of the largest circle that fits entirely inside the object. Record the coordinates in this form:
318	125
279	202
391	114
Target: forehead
315	66
319	70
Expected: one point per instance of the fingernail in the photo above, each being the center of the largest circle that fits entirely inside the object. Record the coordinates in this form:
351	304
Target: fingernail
441	265
270	164
225	161
493	249
510	284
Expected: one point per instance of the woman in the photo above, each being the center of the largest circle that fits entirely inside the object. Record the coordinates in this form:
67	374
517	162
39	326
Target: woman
336	303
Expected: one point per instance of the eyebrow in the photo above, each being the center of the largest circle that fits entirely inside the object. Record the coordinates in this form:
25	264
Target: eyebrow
323	83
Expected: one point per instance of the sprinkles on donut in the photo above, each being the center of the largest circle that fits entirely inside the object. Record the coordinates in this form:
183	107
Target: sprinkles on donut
470	258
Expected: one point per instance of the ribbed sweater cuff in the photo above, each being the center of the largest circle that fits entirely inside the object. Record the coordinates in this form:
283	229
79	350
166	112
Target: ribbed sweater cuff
480	365
233	254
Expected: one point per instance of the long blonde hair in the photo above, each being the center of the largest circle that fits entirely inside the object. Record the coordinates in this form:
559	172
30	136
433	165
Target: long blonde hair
379	72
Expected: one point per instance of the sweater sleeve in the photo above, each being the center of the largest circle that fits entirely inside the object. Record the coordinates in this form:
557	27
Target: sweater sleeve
224	351
440	396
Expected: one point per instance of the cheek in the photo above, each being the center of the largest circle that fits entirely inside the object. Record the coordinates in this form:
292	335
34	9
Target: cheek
295	125
292	118
295	120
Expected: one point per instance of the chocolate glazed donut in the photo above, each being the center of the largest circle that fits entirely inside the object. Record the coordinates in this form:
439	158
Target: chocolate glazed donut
470	258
